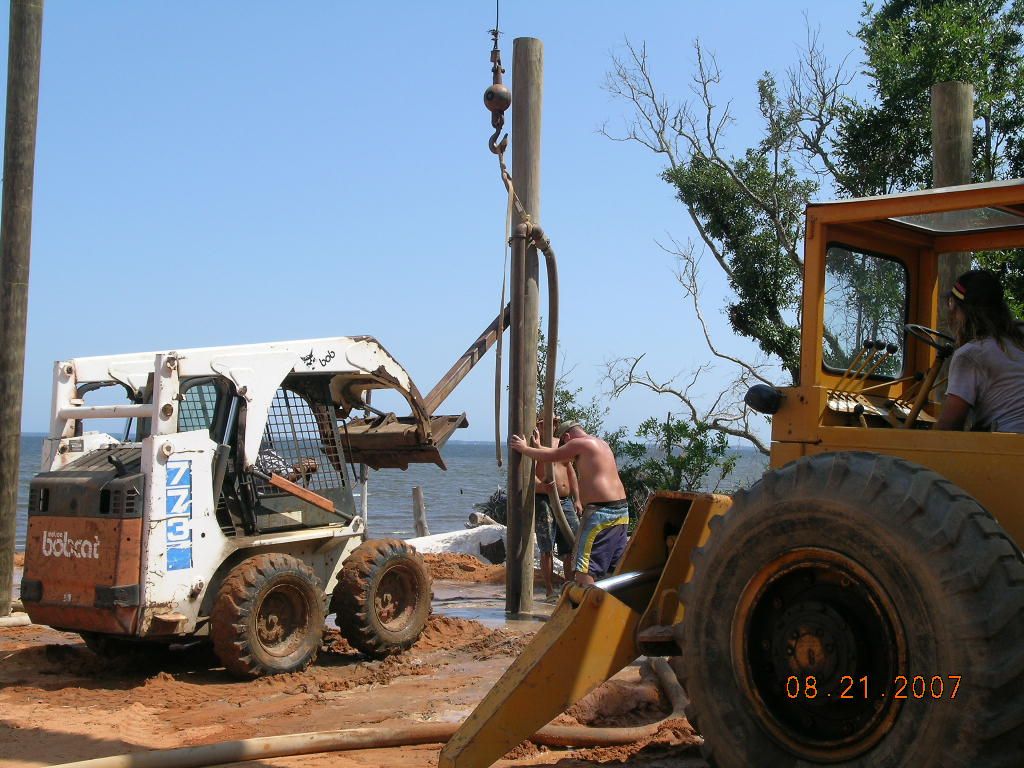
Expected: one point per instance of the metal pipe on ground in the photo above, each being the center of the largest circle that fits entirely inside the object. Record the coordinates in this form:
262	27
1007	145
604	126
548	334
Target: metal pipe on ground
267	747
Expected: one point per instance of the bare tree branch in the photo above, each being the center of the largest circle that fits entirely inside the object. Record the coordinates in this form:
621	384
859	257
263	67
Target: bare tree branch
687	276
622	374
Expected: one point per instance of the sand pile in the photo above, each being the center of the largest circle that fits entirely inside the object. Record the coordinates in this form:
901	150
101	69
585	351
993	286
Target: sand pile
452	566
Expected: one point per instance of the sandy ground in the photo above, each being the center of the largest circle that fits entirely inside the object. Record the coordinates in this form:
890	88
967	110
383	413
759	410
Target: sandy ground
59	702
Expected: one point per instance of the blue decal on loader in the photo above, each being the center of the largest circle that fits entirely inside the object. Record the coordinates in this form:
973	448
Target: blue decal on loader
179	515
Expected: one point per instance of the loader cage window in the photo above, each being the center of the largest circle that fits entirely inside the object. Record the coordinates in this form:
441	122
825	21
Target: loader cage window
865	300
301	443
198	407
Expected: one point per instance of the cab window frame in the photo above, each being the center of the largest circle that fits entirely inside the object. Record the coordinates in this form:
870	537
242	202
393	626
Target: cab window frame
907	292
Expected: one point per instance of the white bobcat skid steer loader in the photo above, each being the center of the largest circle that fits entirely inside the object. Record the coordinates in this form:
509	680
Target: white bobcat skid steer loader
227	509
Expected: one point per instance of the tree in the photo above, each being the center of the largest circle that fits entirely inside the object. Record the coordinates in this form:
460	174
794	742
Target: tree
674	455
746	206
747	209
909	45
886	145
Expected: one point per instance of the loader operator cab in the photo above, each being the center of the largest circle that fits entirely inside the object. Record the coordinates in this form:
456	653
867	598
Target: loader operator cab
300	444
874	357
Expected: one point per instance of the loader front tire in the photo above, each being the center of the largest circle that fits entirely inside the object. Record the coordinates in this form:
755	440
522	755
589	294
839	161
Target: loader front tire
268	617
854	609
382	600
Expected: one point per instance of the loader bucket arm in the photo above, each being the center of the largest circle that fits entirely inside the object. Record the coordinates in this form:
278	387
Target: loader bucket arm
588	639
593	633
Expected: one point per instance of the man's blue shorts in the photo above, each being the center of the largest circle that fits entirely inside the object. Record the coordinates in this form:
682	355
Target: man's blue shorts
602	538
549	533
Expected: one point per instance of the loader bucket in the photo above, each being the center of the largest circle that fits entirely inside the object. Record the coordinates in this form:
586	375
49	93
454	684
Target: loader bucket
396	442
593	633
588	638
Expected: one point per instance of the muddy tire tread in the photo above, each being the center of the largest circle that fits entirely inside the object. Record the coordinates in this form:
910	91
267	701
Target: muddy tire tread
986	577
234	605
351	599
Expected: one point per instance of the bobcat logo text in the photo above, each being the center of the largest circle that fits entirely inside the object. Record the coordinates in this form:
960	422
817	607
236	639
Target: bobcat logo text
59	544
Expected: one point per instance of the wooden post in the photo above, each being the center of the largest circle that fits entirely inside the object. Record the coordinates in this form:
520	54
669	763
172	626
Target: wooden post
527	93
419	512
15	244
952	135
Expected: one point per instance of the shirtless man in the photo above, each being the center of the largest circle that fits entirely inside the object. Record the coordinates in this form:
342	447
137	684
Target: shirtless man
602	536
549	533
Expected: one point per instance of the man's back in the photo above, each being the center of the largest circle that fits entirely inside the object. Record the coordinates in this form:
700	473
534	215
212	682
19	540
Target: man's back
598	472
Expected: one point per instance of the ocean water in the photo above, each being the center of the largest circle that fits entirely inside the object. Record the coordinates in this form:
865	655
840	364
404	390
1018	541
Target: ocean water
472	476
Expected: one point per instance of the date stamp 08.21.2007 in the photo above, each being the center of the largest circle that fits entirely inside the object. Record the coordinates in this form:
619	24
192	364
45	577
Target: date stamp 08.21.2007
921	687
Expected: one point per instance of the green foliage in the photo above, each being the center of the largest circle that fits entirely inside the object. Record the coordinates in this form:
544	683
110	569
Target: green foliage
761	269
909	46
671	454
1009	265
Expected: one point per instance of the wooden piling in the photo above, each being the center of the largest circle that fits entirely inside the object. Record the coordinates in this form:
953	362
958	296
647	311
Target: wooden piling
15	245
952	145
527	97
419	512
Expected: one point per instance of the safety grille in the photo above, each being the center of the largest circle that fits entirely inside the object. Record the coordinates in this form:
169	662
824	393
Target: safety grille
197	408
301	443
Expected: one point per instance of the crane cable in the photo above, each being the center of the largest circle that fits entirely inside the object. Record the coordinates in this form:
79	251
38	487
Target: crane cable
497	99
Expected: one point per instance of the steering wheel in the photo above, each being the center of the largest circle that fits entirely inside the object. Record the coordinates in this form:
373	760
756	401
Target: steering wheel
943	342
943	345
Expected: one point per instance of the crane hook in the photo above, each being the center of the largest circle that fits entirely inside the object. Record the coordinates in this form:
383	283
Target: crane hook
497	98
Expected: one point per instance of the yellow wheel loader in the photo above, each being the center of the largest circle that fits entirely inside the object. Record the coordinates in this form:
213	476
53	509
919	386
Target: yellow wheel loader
863	603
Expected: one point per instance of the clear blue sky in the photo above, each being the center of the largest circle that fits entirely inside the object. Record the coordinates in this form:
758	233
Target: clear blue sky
234	172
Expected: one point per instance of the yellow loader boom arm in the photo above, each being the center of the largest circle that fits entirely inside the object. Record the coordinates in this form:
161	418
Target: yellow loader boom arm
594	632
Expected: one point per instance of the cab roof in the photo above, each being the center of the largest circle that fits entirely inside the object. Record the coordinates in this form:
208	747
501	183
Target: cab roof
968	217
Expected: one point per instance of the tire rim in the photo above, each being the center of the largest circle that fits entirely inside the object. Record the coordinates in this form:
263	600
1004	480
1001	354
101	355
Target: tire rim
817	613
282	617
395	599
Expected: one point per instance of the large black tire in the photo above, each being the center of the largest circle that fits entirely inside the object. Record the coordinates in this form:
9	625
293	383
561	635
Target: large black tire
857	565
268	617
382	600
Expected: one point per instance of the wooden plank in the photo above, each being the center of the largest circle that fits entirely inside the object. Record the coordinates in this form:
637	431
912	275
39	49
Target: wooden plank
303	493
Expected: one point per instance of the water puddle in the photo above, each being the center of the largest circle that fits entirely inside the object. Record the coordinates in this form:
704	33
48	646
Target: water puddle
486	603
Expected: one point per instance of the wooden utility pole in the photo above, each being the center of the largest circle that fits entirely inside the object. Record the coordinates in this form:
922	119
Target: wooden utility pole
15	243
952	144
527	96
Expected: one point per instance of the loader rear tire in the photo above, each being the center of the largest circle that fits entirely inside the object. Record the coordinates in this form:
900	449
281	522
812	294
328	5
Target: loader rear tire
382	600
836	585
268	617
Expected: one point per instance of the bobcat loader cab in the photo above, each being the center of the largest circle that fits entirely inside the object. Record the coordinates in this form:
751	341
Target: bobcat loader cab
226	507
863	603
